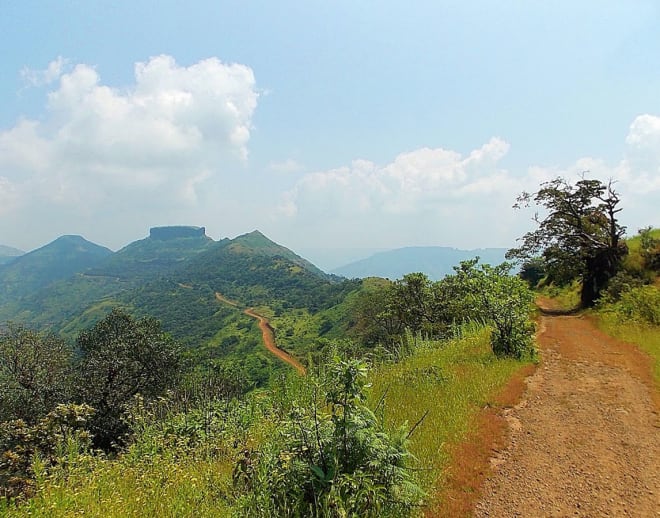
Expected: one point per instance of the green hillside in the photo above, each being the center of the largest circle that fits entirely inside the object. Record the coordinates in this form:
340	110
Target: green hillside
57	260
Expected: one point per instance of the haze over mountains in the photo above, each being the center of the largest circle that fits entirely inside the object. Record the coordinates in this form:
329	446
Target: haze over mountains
434	261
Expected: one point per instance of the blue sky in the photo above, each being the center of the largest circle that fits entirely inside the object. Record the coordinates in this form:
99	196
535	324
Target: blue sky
327	125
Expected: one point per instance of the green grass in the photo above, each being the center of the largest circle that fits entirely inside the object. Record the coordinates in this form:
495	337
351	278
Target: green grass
646	337
453	381
165	487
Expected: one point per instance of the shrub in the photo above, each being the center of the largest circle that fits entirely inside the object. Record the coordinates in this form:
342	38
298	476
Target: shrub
56	440
641	304
331	461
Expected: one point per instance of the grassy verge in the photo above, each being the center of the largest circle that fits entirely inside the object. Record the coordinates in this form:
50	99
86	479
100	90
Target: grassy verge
453	381
646	337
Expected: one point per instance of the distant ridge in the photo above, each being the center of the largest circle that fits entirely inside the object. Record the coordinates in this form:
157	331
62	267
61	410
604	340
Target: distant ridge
434	261
7	254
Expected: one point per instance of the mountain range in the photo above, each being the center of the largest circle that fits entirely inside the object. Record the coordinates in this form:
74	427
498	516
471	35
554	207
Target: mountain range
434	261
198	287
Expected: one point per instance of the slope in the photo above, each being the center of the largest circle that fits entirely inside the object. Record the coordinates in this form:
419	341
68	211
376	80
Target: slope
7	254
57	260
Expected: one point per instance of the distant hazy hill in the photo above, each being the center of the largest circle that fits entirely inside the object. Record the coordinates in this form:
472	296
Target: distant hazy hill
434	261
57	260
7	253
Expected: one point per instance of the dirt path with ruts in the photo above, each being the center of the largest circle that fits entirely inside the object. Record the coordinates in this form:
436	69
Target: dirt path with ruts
267	334
585	440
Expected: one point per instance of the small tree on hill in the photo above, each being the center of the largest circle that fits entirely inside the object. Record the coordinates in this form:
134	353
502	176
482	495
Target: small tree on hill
122	357
35	372
579	237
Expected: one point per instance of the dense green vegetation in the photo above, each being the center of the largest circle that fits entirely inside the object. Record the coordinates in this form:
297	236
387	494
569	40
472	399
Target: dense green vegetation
206	455
313	446
109	412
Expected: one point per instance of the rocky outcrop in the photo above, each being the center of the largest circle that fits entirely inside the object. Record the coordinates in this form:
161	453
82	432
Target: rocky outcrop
176	232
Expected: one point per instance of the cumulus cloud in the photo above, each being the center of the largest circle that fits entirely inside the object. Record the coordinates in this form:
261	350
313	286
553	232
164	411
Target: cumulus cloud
439	196
415	180
162	137
433	192
52	73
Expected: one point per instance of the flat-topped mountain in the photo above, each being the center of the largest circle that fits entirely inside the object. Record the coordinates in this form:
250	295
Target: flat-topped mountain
176	232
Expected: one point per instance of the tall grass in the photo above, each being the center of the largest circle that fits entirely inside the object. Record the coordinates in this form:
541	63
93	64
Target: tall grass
646	337
452	381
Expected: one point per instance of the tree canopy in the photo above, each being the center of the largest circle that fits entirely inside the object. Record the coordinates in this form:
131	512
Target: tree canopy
579	237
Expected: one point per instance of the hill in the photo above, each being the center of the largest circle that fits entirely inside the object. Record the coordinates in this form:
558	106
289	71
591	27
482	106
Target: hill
57	260
174	275
7	254
435	261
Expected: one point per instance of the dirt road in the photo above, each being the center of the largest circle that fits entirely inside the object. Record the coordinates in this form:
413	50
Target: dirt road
585	440
269	341
267	334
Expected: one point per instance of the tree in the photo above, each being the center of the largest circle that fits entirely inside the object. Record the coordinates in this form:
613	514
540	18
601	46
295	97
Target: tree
122	357
489	294
35	371
579	237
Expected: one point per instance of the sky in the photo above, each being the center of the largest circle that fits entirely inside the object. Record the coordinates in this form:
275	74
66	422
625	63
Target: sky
333	127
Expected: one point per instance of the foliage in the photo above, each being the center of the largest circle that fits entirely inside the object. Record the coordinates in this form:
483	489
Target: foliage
453	380
579	237
532	271
334	462
121	357
477	293
650	248
28	450
490	295
640	304
35	373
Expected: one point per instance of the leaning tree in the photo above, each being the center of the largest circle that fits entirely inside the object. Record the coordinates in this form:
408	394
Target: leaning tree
578	236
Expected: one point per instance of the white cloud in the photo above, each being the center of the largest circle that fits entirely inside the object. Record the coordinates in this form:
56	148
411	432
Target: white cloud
437	193
155	142
438	196
44	77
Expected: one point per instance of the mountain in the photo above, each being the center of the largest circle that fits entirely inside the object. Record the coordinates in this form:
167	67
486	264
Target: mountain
434	261
7	254
57	260
166	249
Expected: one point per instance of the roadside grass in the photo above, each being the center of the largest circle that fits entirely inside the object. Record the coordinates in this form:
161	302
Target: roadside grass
452	381
646	337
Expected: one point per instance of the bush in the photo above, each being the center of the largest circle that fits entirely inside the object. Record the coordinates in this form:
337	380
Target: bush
56	440
641	304
330	459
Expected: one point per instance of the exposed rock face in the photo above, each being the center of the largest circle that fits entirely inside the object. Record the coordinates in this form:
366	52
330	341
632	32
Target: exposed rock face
166	233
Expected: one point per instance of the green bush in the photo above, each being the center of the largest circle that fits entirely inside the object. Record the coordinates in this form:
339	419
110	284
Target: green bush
28	450
641	304
331	458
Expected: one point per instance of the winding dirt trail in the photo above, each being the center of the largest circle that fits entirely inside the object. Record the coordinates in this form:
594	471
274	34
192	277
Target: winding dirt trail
267	334
585	440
